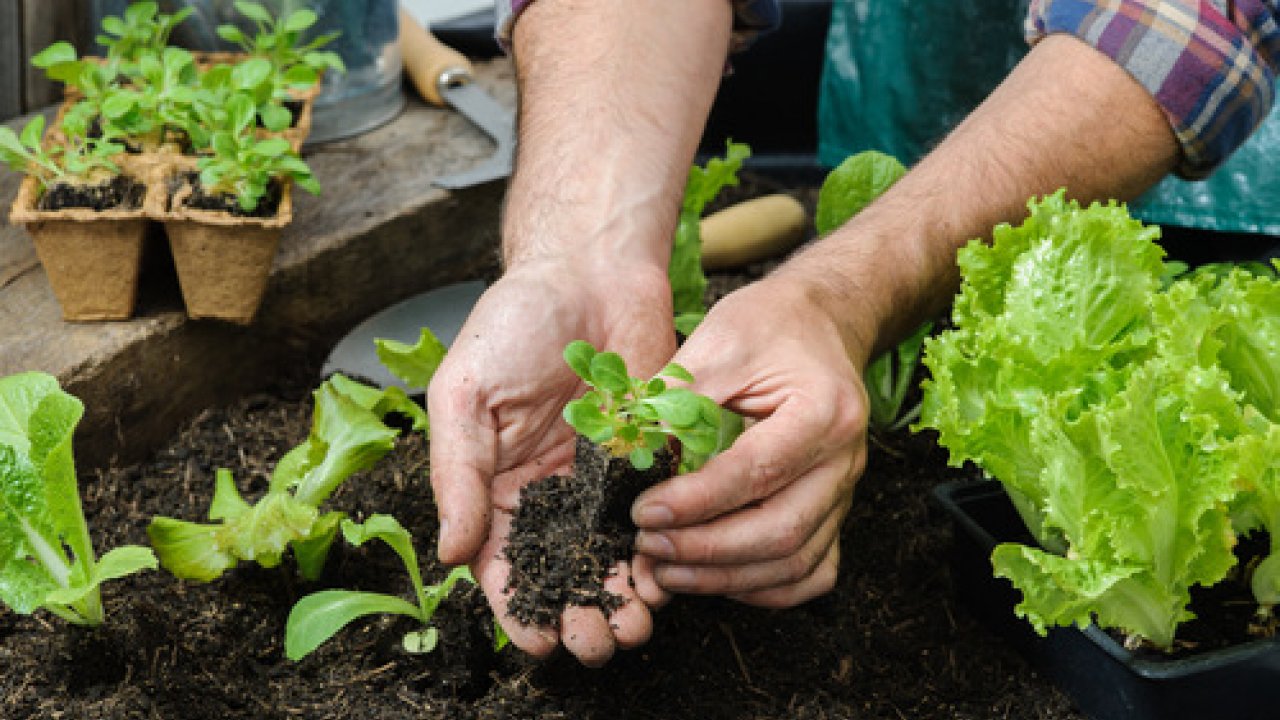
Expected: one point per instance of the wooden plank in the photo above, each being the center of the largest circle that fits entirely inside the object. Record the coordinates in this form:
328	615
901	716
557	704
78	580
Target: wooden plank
43	23
11	61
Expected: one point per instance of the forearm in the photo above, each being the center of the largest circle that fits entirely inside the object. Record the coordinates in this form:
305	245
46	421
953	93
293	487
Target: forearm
1066	116
614	96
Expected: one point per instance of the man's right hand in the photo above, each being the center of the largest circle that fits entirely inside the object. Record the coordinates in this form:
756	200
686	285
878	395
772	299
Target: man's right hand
496	424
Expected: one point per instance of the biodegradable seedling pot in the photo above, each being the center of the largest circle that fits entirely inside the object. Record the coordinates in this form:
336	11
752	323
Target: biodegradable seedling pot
1105	680
92	258
223	261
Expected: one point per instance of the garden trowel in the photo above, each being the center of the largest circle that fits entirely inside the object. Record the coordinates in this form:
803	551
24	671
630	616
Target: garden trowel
445	77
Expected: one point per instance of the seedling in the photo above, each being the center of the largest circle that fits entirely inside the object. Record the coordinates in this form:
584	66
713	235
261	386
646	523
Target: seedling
151	110
243	165
142	29
77	161
634	418
319	616
889	378
296	66
347	436
688	282
40	514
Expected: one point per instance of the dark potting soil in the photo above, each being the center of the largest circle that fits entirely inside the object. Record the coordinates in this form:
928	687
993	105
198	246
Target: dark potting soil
888	643
569	531
223	202
119	193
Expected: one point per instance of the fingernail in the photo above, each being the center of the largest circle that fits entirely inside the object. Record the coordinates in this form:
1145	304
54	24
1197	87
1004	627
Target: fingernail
655	544
653	515
674	577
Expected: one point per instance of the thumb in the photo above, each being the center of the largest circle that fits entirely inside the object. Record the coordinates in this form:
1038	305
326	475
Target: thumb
462	464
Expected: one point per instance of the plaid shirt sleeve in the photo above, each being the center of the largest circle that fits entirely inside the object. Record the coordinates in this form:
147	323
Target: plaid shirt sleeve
751	18
1210	64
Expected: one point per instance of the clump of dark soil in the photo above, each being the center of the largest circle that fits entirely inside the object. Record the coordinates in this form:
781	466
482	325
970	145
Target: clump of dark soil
568	532
119	193
198	199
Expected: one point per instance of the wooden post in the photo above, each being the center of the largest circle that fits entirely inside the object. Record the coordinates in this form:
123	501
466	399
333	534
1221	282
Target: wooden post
10	61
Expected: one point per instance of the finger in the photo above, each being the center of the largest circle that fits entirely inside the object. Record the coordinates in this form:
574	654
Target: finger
740	579
585	633
766	457
462	463
820	582
774	529
647	588
630	623
491	571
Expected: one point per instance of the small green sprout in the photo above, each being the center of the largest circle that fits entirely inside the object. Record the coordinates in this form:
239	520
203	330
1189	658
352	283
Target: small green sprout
296	66
319	616
77	161
634	418
243	164
142	28
888	380
150	111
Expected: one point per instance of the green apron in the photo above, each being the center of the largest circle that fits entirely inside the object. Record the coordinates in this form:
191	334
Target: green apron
900	74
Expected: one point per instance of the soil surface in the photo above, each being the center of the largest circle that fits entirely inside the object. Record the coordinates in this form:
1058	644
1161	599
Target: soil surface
567	532
889	642
224	202
119	193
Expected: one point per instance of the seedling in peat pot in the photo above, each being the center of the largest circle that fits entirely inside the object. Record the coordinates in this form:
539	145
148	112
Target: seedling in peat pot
319	616
142	28
296	66
77	161
40	514
243	165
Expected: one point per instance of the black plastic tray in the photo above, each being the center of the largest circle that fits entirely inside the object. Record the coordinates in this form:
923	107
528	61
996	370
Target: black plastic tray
1105	681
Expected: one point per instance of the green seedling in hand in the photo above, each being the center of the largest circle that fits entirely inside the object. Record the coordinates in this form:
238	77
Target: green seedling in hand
319	616
634	418
40	514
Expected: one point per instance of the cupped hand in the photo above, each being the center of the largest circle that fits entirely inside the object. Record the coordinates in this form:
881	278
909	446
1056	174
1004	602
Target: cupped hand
760	523
495	407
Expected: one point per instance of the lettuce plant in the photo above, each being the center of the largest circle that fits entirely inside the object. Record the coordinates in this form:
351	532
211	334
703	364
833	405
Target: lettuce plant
243	165
347	436
847	189
688	282
634	418
78	160
1131	418
47	559
161	103
319	616
296	65
141	29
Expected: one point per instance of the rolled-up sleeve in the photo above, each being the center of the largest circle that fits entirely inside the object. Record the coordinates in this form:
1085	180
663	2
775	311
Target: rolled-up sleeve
751	18
1210	64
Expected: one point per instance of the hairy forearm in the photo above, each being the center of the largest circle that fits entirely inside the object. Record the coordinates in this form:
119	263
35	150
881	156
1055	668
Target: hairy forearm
613	98
1067	116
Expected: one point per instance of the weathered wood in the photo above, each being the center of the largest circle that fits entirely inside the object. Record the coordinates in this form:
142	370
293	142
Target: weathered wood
380	233
11	61
43	23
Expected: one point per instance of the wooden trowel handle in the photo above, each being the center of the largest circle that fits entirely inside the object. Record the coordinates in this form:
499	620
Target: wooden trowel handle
429	62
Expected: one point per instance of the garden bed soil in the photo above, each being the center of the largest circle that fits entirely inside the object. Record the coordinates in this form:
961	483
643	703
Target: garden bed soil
119	193
890	640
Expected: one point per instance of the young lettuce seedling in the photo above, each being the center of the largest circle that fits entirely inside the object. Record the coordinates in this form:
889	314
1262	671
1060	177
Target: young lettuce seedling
688	282
849	188
296	66
347	436
142	28
634	418
319	616
77	161
243	165
40	514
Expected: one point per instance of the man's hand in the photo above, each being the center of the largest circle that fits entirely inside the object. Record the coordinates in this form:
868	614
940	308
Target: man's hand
761	522
495	407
